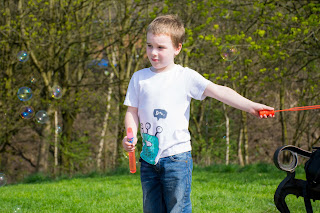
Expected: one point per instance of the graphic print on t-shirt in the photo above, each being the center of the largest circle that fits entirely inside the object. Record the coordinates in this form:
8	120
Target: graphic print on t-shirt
159	113
150	144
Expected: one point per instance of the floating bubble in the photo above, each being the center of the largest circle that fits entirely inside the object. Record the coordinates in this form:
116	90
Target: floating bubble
24	94
23	56
17	209
26	112
3	179
42	117
59	129
33	80
56	92
229	52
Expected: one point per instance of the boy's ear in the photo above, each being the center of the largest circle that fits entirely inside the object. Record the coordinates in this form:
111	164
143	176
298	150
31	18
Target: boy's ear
178	49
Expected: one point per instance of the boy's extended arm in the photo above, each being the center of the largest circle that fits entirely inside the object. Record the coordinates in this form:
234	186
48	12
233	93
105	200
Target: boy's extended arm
234	99
131	120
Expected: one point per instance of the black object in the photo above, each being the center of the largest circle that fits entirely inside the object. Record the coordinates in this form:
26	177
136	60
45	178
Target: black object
290	185
312	168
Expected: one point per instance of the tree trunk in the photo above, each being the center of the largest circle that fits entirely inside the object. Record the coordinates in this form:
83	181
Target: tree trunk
227	134
282	117
245	136
240	156
68	120
116	150
42	164
56	132
105	124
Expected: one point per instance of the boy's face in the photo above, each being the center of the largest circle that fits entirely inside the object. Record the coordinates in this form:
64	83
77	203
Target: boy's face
161	52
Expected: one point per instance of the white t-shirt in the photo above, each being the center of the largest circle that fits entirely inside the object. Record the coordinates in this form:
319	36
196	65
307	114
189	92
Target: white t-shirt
163	102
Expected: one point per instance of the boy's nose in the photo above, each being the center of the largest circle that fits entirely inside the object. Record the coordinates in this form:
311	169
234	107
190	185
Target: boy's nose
154	52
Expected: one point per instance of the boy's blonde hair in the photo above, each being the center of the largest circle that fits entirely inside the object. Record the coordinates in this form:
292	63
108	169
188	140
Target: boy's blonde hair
169	25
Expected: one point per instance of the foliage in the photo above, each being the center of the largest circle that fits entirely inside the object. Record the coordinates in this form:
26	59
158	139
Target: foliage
67	41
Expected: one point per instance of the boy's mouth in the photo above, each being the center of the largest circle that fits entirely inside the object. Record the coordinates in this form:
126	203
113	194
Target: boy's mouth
154	59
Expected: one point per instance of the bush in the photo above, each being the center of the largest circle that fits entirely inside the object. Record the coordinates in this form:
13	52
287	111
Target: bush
37	178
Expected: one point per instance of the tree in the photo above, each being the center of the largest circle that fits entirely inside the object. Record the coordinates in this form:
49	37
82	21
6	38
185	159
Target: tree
91	48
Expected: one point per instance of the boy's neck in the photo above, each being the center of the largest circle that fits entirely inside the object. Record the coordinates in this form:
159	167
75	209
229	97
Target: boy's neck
167	68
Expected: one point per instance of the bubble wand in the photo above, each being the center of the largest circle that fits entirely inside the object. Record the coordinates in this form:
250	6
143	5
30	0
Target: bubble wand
132	156
271	112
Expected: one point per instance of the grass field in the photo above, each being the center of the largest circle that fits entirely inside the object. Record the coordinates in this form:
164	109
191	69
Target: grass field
214	189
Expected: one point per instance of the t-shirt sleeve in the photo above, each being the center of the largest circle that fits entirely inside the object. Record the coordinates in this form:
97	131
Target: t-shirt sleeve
195	84
132	93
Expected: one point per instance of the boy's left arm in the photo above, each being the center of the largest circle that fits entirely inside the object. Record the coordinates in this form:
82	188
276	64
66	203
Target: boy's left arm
234	99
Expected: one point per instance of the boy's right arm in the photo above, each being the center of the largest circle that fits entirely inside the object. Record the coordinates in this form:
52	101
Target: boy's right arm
131	120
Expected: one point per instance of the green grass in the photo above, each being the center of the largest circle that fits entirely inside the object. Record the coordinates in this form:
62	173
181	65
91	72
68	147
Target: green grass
214	189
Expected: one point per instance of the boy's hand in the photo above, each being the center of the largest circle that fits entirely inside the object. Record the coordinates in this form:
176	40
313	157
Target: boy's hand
267	115
129	147
261	107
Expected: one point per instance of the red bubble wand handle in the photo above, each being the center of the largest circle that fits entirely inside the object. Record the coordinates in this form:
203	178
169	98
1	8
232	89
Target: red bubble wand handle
132	156
271	112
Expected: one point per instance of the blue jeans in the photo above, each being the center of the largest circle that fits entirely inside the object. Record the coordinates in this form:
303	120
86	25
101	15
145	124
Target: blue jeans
166	186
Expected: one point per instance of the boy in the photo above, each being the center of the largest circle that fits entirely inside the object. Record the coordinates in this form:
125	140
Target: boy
159	99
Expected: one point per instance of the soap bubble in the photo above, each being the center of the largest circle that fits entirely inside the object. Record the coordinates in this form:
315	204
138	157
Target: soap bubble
24	93
17	209
26	112
229	52
42	117
56	92
59	129
3	179
23	56
33	80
